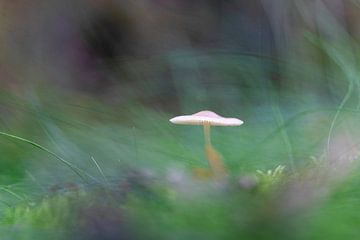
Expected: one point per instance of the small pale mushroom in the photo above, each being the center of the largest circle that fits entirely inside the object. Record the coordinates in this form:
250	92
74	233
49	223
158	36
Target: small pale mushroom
208	119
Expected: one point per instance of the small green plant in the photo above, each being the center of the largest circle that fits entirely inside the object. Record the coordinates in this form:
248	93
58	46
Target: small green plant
270	178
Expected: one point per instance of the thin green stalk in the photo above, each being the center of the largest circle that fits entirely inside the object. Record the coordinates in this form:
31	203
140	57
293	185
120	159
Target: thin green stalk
5	203
12	193
337	113
78	171
100	170
35	181
280	121
292	119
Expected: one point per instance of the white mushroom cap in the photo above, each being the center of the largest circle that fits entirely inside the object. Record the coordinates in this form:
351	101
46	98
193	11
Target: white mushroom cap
206	117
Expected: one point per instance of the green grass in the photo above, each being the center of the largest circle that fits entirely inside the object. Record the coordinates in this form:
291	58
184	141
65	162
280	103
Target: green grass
73	167
142	181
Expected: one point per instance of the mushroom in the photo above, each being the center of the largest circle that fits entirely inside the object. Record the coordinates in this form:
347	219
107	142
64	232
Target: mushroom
207	119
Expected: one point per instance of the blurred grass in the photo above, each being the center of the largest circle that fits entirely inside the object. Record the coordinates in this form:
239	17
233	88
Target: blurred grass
142	139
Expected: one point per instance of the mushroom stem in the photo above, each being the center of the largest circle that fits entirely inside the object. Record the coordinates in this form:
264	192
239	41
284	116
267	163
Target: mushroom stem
215	161
207	134
213	157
